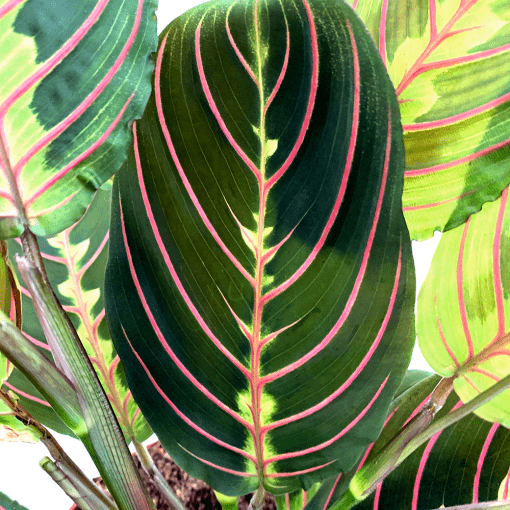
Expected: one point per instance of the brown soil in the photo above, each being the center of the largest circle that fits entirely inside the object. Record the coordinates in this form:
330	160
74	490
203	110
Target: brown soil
195	494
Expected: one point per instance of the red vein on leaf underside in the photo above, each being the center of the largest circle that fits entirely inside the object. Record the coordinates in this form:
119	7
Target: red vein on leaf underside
212	104
183	417
439	203
243	61
243	229
283	71
416	68
432	19
9	6
220	468
441	334
95	255
113	365
359	278
126	400
382	31
481	460
354	375
55	59
330	495
378	495
311	101
481	371
300	472
506	487
97	321
459	117
85	154
335	438
134	417
411	416
423	462
36	342
455	162
87	102
471	383
421	469
172	271
496	265
460	291
503	352
240	323
26	395
182	173
345	177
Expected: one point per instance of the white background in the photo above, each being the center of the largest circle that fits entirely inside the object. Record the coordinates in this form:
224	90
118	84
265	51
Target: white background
20	475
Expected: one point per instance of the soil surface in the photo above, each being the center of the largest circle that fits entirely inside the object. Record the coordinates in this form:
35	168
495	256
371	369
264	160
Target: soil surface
195	494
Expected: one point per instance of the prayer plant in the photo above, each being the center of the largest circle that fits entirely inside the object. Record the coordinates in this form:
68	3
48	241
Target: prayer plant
250	297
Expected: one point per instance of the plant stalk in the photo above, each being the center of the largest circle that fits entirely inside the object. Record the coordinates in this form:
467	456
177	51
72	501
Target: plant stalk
258	499
103	438
67	485
411	437
61	458
155	475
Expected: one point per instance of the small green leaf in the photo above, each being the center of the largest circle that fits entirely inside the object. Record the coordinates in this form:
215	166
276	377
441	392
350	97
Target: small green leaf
463	311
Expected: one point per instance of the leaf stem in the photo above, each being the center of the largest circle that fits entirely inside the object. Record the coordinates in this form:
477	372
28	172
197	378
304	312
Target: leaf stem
258	499
455	416
390	456
70	487
103	438
88	488
411	437
155	475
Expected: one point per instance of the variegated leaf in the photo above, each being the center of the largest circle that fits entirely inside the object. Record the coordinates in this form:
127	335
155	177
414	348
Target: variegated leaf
449	62
75	261
73	74
260	283
463	313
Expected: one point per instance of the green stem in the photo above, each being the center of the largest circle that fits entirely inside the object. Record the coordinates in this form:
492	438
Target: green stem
103	439
155	475
410	438
455	416
61	458
54	386
258	499
67	485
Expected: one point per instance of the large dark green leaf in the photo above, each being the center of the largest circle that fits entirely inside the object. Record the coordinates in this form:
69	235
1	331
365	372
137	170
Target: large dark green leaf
260	284
74	74
449	62
75	261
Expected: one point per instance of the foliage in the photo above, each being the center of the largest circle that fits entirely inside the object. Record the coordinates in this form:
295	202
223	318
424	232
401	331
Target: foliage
258	299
